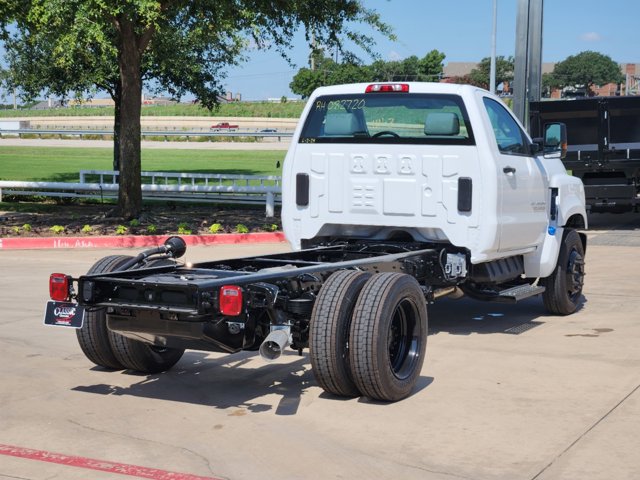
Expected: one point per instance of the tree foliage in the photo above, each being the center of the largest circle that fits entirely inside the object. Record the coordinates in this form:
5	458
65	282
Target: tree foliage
327	72
73	47
584	70
480	76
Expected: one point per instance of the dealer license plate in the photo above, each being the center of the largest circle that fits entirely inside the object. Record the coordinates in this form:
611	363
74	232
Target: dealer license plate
64	314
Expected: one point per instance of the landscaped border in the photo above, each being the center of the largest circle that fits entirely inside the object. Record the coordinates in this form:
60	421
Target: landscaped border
134	241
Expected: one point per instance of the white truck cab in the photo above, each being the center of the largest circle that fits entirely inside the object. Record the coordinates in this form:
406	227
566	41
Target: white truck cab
429	162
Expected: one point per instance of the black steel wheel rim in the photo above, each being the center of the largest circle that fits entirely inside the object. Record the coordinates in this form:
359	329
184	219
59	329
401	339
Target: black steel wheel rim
158	349
403	339
575	274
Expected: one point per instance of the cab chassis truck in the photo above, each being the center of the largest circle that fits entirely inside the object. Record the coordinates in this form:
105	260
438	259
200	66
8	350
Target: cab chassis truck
394	195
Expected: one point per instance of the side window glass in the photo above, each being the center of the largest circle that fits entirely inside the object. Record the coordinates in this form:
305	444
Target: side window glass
507	132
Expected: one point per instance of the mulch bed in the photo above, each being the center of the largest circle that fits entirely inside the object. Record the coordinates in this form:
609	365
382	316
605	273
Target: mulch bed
168	219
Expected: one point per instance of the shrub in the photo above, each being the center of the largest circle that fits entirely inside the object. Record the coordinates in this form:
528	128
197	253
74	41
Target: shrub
26	227
183	229
134	222
121	230
152	229
215	228
57	229
240	228
87	229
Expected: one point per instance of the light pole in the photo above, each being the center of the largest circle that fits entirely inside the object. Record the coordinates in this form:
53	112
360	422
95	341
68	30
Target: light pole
492	72
528	66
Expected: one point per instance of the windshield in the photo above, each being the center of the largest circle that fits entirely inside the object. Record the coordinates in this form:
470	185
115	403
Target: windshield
402	118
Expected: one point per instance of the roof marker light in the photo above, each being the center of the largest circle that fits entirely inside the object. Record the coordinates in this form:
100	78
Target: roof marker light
387	87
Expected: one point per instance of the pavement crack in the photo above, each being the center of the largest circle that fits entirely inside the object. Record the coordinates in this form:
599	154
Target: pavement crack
140	439
585	433
438	472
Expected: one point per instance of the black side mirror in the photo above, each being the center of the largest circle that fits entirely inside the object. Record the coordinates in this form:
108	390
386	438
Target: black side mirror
537	146
555	140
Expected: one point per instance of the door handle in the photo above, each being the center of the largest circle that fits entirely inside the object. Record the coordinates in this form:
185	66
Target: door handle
509	170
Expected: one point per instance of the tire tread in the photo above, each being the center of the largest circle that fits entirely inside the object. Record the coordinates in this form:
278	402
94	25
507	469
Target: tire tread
366	330
331	320
93	337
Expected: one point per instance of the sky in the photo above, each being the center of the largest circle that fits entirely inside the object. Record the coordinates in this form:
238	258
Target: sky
461	29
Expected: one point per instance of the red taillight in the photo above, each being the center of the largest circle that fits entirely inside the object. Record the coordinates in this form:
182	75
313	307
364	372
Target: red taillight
59	284
230	300
387	87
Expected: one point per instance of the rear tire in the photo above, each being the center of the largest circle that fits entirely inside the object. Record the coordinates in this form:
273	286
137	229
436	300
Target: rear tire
93	337
564	285
330	329
140	356
388	336
143	357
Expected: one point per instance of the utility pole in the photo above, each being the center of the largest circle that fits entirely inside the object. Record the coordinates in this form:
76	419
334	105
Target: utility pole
528	65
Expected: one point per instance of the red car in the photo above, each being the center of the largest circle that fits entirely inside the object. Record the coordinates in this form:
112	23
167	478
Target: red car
224	126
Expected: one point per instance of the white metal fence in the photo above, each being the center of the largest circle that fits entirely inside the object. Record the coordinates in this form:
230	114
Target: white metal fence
191	187
165	134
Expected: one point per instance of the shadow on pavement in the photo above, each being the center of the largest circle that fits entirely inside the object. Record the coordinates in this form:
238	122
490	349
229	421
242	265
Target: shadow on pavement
222	383
466	316
239	382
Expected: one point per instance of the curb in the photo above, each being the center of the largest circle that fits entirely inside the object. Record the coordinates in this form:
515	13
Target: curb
135	241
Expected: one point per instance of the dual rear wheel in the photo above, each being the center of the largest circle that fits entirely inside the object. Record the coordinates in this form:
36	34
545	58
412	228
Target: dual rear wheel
114	351
369	335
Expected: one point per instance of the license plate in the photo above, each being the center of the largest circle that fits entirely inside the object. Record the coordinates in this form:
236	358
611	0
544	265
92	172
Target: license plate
64	314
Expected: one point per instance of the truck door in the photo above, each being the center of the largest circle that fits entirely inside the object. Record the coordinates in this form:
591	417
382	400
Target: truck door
522	205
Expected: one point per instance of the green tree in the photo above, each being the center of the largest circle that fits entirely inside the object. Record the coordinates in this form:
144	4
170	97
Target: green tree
584	70
480	75
327	72
426	69
306	81
176	45
430	66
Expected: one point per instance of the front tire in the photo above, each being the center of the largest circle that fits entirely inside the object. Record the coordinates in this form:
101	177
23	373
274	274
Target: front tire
330	330
564	285
388	336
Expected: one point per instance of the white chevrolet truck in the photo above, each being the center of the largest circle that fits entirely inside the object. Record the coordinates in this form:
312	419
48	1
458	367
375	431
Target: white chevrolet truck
394	195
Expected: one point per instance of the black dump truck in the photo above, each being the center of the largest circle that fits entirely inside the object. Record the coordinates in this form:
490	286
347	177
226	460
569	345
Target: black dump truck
604	147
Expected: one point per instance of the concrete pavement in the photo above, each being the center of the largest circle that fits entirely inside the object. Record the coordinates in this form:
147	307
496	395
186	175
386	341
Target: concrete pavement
507	392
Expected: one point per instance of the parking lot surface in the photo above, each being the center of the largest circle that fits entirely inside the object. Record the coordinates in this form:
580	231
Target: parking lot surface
507	392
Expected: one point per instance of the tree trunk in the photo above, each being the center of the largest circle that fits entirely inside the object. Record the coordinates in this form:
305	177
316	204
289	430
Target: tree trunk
117	98
129	59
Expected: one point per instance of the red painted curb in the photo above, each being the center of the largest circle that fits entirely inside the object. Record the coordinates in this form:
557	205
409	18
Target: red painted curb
99	465
135	241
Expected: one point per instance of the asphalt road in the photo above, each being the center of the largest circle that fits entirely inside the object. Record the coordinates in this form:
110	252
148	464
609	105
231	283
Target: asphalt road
506	393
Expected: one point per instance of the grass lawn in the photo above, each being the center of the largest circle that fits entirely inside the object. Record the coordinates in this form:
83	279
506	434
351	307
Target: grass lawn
63	164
